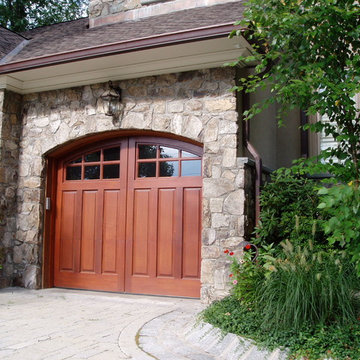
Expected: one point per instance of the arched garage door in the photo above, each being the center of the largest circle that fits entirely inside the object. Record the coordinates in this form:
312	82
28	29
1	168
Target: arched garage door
128	218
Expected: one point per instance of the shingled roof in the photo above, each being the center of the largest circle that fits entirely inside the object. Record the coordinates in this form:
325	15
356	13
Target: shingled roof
8	41
76	35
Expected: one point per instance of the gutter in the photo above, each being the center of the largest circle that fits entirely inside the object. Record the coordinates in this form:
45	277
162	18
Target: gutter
180	37
254	153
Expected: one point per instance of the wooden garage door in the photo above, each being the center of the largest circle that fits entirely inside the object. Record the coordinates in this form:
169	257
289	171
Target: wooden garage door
128	218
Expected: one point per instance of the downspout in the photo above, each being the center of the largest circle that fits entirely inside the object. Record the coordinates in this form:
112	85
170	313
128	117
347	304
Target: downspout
254	153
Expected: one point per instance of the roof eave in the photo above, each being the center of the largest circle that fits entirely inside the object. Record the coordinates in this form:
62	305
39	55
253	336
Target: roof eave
191	35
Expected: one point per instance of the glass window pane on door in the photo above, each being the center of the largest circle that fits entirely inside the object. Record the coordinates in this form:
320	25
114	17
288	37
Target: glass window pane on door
95	156
77	161
186	154
147	151
111	171
92	172
112	154
191	168
73	173
169	168
147	169
167	152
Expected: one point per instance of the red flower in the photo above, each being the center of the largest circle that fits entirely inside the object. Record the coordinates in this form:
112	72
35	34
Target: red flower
247	247
231	253
226	251
231	275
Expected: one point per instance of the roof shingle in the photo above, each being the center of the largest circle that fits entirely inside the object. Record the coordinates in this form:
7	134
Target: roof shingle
8	41
76	35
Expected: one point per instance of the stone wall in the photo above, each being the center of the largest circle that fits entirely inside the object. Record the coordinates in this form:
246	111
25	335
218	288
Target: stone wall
196	105
107	7
10	127
225	225
111	11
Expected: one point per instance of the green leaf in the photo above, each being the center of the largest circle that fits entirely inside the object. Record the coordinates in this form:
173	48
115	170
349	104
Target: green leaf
322	205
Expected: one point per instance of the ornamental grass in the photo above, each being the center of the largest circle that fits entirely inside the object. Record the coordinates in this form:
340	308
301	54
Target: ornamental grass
306	287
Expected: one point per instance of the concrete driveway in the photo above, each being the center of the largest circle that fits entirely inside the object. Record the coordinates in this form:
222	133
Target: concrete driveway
70	324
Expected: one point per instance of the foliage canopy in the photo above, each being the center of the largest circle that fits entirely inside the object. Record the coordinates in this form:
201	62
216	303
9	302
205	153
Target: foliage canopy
308	53
21	15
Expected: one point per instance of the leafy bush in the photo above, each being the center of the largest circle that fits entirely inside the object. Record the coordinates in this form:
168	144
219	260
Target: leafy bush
341	204
231	316
289	209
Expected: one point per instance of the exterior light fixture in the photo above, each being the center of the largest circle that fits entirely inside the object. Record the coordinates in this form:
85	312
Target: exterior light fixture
112	101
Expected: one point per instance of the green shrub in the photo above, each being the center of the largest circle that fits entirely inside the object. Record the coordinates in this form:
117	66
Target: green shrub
289	210
299	298
231	316
341	206
303	300
307	287
302	295
340	342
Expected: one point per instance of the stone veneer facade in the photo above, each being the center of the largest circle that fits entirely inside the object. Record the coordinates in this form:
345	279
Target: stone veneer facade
10	130
196	105
106	7
110	11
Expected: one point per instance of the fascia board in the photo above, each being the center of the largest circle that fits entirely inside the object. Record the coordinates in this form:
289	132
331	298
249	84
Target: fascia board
176	58
199	34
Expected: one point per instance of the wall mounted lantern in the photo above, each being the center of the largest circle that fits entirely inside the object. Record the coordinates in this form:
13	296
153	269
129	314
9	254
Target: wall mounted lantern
112	101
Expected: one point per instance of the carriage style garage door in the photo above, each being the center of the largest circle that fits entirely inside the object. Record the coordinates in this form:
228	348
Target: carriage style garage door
128	218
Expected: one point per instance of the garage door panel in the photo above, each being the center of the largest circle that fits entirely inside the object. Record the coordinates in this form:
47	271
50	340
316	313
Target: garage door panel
88	281
141	232
166	232
89	230
191	233
111	231
67	231
165	286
